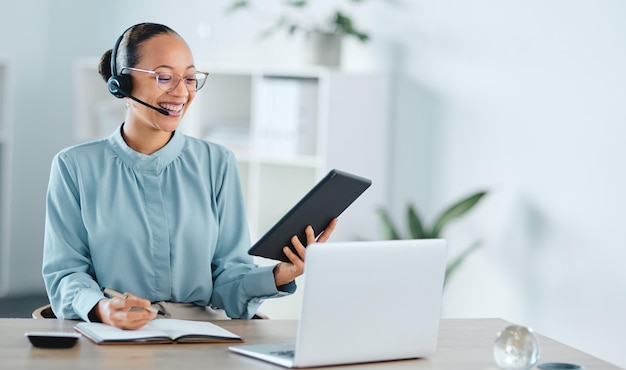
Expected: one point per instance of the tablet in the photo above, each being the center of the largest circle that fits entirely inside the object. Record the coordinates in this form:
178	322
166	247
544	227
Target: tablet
325	201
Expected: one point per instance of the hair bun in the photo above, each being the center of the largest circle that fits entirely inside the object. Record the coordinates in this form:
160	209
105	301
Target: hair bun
104	66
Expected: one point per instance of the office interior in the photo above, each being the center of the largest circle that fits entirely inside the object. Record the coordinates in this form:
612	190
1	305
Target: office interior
524	99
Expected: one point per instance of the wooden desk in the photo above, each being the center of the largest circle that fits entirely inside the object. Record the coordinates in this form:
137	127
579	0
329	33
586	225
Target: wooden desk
463	344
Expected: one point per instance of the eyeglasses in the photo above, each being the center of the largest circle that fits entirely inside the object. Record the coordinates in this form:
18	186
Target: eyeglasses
169	81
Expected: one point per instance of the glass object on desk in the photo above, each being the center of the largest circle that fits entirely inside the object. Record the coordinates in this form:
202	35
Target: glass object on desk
516	348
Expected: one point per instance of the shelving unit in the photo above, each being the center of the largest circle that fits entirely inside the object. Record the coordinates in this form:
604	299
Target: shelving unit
270	120
5	153
287	128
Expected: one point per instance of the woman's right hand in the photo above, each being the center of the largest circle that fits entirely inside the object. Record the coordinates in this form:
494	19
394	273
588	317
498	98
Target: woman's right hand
129	313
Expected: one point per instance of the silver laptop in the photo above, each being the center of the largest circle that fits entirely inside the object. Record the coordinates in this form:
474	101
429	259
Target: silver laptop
364	302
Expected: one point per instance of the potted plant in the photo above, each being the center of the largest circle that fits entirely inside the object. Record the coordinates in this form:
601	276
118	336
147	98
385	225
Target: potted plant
324	36
417	229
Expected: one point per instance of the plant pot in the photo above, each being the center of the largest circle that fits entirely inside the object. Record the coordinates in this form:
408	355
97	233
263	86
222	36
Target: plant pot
323	48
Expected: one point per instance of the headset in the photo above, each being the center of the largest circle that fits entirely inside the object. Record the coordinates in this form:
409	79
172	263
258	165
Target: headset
121	85
118	84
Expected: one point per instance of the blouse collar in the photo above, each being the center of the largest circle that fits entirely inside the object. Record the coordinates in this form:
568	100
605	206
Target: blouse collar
155	161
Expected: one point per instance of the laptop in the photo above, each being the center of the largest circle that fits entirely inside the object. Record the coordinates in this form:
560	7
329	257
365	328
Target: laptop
364	301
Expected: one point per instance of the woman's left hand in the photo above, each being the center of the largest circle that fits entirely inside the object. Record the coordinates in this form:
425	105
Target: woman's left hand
286	272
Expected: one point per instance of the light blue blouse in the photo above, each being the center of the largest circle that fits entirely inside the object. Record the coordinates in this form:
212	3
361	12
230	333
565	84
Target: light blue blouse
170	226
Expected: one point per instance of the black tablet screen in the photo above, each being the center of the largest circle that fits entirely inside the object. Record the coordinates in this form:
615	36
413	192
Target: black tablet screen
325	201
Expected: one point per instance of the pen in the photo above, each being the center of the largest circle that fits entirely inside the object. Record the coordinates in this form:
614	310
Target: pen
116	294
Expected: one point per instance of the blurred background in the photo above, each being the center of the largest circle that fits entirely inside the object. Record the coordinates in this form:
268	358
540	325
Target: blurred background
522	99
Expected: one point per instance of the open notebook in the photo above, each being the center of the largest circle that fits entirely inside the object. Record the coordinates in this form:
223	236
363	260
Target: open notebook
158	331
364	302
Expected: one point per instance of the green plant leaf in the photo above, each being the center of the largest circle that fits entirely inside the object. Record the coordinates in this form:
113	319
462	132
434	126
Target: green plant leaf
292	29
361	36
237	5
454	265
416	227
456	210
344	24
297	3
389	230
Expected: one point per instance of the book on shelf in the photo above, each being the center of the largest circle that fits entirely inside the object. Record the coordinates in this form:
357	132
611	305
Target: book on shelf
287	115
158	331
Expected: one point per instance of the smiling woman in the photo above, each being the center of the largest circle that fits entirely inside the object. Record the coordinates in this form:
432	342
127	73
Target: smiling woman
143	46
152	212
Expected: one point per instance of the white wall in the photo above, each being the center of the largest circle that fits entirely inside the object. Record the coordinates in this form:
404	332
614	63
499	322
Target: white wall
23	44
525	99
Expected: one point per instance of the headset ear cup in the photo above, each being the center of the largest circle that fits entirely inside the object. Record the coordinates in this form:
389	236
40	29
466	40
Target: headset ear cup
120	85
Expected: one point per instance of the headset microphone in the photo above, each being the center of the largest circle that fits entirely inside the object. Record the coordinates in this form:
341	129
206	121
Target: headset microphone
119	84
116	90
160	110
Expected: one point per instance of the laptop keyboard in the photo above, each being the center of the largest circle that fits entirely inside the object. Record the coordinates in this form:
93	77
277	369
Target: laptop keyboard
286	354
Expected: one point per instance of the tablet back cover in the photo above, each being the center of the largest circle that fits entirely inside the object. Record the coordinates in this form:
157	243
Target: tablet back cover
325	201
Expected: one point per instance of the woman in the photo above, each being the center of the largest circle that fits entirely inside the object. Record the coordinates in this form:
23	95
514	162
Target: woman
152	212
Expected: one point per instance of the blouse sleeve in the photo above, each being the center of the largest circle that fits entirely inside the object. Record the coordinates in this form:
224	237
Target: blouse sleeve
239	285
67	269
